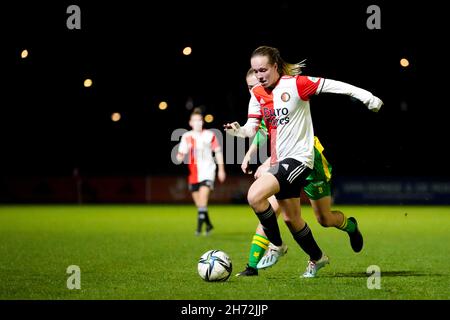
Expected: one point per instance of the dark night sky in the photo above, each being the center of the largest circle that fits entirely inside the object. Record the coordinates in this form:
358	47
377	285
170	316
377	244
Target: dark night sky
50	123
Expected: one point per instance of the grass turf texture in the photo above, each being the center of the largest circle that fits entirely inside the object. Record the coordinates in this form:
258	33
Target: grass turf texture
150	252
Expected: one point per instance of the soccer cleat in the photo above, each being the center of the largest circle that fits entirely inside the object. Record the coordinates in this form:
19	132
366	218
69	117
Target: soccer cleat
313	267
208	229
272	255
356	238
249	271
197	233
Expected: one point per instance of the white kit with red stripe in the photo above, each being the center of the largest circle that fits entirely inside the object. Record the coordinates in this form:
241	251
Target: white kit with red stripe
286	112
287	115
199	145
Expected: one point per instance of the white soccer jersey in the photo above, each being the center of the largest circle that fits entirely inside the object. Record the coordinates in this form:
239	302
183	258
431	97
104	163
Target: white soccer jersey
199	147
287	115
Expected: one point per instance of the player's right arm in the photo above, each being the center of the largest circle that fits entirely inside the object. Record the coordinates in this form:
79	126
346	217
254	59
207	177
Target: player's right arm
244	166
259	139
251	126
183	148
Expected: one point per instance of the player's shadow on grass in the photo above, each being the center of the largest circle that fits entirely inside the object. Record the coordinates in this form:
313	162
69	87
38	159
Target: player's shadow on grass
383	274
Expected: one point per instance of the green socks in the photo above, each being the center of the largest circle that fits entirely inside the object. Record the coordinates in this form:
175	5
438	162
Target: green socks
347	225
257	250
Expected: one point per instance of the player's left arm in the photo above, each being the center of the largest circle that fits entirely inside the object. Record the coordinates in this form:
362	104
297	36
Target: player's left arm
183	149
372	102
219	158
308	86
221	172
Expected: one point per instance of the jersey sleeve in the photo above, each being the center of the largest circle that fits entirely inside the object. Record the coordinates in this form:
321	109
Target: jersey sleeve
183	147
332	86
308	86
254	108
253	120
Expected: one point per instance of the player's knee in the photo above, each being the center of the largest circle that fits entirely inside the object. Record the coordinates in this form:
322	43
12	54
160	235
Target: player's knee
251	198
254	199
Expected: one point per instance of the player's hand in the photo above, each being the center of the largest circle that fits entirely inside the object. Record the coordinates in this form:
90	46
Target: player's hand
234	125
180	157
233	129
245	167
375	104
222	176
227	126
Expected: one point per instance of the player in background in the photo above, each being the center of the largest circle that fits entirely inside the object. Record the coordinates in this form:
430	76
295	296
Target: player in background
198	145
282	99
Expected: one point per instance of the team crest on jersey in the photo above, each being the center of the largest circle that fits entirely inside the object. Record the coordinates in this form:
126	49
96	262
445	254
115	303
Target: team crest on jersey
285	97
313	79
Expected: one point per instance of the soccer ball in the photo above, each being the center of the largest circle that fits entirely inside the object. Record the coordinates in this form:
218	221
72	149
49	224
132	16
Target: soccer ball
215	265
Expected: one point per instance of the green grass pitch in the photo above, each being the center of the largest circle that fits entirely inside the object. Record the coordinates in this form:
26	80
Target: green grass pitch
150	252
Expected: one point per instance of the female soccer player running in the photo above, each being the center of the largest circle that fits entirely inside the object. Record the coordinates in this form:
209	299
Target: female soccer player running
318	190
282	99
199	144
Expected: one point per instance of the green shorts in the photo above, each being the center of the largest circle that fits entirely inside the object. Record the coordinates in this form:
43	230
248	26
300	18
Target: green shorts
316	190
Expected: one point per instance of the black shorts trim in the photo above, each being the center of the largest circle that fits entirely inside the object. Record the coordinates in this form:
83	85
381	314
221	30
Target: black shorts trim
291	175
196	186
